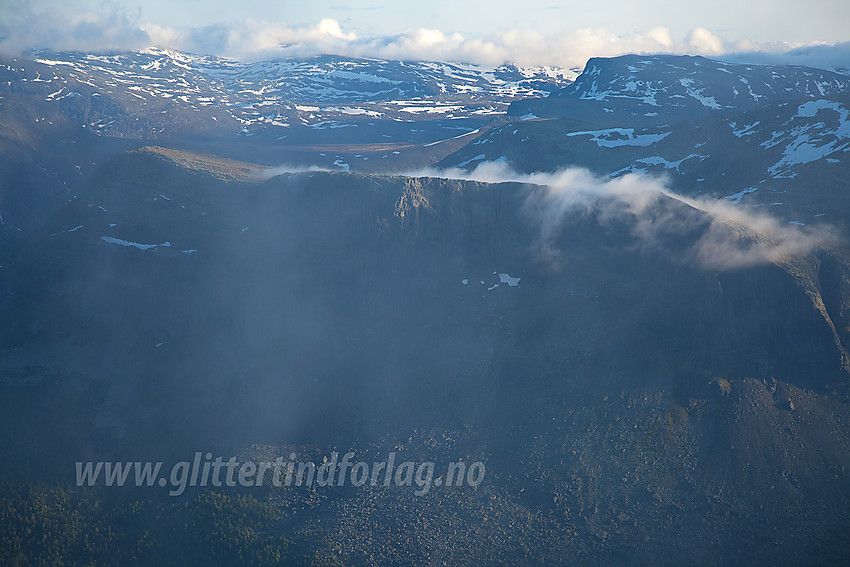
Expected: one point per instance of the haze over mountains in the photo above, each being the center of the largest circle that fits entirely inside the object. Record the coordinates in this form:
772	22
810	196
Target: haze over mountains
628	294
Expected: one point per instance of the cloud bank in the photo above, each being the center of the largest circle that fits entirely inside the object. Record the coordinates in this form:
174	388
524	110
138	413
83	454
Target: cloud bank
64	27
23	28
734	237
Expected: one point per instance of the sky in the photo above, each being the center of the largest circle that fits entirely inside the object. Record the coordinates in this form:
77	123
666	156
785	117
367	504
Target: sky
527	32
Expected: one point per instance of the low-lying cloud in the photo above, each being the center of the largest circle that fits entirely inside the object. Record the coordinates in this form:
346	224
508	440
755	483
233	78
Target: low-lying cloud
823	56
63	27
284	169
734	237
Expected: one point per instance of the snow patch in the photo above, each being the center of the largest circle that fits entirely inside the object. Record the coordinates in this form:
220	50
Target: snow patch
740	195
658	160
616	137
506	279
127	243
746	130
479	157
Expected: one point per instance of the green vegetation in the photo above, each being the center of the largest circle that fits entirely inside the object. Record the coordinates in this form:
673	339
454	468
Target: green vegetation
60	526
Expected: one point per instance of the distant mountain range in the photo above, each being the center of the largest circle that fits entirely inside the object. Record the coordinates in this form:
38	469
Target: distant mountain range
166	94
775	137
640	90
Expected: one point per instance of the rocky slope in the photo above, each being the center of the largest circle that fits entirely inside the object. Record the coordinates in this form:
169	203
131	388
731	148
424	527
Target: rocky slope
624	393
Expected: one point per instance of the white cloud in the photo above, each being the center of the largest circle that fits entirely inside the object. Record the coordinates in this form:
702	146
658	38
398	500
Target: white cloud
734	237
703	42
254	39
824	56
63	27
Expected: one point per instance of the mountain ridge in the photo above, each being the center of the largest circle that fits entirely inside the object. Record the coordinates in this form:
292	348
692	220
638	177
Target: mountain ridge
631	89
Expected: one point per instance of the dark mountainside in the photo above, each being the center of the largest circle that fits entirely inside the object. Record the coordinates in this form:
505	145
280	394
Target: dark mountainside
665	383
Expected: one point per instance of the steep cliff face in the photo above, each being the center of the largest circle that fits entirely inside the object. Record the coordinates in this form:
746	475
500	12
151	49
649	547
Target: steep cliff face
385	268
45	160
603	360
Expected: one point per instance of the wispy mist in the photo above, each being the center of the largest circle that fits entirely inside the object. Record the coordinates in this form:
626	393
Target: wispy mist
735	237
283	169
739	238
